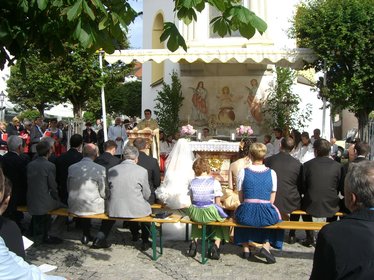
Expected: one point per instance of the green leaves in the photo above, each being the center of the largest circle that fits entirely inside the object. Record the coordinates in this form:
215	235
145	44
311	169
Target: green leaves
187	15
341	34
221	26
74	11
175	39
192	3
169	100
258	23
247	30
88	10
236	17
219	4
282	105
42	4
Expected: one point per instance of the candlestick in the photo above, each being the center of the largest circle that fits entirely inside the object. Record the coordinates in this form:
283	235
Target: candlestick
232	136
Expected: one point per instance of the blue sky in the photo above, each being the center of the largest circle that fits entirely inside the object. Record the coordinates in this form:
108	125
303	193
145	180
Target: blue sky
136	29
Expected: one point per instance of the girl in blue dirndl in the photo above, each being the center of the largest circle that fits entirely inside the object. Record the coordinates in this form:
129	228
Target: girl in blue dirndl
257	186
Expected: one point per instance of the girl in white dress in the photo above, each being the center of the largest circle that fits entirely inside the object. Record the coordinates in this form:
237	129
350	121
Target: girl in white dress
173	191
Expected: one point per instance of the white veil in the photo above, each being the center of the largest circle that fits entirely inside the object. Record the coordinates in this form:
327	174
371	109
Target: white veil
174	190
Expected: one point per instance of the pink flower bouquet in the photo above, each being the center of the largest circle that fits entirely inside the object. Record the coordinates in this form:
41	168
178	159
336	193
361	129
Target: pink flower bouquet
244	131
187	130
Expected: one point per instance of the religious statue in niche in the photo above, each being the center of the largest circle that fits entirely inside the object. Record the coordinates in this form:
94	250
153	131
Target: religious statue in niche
226	113
199	102
254	103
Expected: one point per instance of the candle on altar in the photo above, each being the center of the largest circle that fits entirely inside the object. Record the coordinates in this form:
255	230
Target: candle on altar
188	119
233	136
199	136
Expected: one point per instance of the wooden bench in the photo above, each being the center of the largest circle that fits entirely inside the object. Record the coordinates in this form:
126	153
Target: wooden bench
154	222
296	225
296	212
158	206
175	218
301	212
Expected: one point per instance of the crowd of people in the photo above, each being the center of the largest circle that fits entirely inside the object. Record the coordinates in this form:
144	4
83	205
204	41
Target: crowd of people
299	173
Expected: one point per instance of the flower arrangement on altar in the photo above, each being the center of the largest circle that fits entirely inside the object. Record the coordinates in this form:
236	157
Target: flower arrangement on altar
244	131
187	131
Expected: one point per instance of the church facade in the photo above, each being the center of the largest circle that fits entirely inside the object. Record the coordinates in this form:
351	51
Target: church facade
225	81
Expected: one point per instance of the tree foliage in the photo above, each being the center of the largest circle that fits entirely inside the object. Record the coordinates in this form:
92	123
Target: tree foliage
29	115
122	99
282	105
35	90
49	24
93	24
169	100
126	99
76	78
341	34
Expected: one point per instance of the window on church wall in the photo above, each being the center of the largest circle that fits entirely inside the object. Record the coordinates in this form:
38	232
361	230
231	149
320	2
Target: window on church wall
214	12
157	68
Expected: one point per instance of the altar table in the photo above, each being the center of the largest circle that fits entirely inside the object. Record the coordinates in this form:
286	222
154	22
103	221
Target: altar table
219	155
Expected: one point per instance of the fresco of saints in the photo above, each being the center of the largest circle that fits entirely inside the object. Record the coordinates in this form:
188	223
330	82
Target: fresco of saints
254	104
199	108
226	113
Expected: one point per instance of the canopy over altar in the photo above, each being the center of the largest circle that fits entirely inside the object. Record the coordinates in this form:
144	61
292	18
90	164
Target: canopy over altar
294	58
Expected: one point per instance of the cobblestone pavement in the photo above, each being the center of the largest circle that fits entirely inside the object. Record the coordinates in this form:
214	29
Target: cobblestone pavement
124	260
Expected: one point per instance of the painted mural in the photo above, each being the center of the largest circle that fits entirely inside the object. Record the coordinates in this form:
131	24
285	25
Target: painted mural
224	103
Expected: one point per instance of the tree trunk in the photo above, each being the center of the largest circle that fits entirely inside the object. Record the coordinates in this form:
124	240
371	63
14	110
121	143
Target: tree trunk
363	118
40	108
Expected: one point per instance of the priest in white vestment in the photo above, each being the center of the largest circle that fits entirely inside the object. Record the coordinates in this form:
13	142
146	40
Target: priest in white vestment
117	133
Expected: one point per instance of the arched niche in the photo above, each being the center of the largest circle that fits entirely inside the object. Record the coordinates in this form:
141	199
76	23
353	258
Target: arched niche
157	68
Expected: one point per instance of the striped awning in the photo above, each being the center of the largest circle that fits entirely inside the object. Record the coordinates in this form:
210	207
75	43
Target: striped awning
294	58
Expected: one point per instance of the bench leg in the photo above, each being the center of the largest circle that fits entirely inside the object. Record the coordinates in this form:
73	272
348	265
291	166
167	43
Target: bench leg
154	241
161	242
187	232
204	258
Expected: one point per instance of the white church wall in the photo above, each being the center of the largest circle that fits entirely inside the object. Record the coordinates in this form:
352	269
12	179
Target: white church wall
308	96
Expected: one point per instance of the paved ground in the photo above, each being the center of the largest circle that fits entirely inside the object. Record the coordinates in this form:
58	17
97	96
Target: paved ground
124	260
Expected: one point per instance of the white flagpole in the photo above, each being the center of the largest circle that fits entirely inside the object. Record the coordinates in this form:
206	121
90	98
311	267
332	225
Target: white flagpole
103	107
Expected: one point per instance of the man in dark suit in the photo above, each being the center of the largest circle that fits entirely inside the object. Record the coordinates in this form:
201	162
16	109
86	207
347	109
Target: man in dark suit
345	248
151	165
288	171
89	135
107	159
323	178
42	195
14	167
64	161
362	150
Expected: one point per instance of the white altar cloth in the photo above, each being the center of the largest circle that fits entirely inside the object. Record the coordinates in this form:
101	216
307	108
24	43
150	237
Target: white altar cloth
214	146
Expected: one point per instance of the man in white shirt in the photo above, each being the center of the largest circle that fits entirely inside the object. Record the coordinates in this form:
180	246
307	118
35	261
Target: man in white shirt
117	133
269	146
278	139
